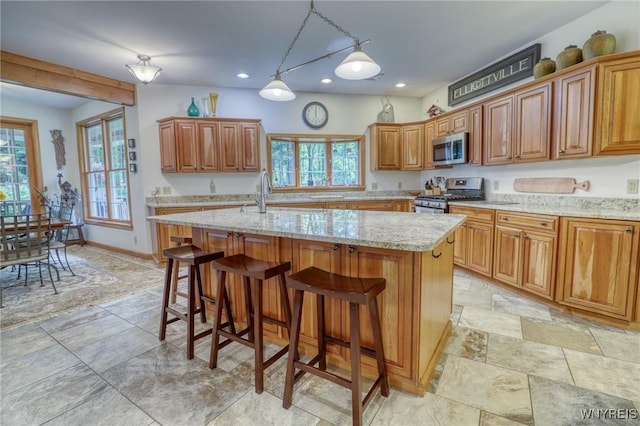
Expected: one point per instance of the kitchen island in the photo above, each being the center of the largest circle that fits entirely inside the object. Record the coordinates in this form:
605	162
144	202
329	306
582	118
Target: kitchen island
413	252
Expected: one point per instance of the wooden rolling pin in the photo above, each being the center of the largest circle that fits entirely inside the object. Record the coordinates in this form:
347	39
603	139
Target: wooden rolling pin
549	185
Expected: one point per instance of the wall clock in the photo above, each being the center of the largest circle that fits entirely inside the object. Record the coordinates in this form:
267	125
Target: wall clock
315	115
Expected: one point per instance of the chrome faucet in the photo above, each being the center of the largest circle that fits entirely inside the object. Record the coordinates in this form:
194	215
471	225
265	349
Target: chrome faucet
265	188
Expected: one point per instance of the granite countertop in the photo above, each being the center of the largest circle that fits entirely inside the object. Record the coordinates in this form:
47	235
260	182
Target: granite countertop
602	208
391	230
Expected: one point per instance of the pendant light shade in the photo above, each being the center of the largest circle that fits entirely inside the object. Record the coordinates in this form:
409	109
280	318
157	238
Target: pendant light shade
357	66
144	71
277	90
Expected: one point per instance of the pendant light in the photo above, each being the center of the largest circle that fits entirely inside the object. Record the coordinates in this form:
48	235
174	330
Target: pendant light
145	72
357	66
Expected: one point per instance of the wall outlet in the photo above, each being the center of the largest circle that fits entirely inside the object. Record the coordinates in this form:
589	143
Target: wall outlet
496	185
135	240
632	186
212	188
166	190
399	185
374	186
155	191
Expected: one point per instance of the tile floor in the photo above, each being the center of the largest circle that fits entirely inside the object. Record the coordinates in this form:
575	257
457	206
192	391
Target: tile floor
509	361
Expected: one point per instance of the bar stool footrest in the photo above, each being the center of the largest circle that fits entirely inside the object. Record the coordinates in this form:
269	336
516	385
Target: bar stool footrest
363	349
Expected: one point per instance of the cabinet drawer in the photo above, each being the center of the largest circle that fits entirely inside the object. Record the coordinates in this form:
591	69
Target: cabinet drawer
482	215
531	221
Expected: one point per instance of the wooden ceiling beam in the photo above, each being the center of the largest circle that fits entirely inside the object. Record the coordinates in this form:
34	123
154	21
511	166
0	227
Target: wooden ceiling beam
34	73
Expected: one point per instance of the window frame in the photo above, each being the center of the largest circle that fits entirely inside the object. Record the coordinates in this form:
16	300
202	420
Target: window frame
81	131
295	138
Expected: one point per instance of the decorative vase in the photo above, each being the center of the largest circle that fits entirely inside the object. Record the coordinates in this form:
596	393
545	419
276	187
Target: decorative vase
206	107
599	44
544	67
213	99
571	55
193	110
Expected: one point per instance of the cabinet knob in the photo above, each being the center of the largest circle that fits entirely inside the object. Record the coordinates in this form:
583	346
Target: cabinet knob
336	247
517	234
517	157
505	218
629	229
352	249
469	226
543	223
229	234
509	158
238	234
561	151
525	236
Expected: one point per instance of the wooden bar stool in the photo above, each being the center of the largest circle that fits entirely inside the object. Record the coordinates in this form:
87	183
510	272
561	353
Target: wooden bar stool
194	257
356	291
253	272
179	240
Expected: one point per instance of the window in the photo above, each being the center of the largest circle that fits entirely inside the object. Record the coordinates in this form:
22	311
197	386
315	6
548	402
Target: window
316	162
105	178
20	172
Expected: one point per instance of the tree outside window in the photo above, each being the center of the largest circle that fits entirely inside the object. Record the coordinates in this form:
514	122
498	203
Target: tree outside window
316	163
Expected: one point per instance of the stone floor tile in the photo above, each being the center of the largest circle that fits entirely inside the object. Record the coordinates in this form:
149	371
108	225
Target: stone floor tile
100	355
488	419
21	341
607	375
492	322
479	299
72	319
618	345
487	387
467	343
131	305
174	390
265	410
107	409
402	408
519	306
456	311
559	404
81	335
564	335
528	357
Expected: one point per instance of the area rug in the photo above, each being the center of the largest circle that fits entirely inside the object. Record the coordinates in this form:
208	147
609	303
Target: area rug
101	275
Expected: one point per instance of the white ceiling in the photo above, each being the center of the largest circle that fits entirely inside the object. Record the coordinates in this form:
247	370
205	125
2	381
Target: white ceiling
426	44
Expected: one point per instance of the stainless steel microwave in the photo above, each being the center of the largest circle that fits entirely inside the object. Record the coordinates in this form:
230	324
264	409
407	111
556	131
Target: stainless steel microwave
451	149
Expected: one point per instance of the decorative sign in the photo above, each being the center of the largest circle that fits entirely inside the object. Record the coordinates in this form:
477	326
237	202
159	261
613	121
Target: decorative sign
509	70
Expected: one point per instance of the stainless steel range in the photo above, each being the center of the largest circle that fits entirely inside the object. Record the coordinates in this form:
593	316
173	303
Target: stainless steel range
455	189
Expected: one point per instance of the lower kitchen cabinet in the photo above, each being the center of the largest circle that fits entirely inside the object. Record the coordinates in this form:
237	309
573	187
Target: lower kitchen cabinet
473	247
598	265
160	238
525	251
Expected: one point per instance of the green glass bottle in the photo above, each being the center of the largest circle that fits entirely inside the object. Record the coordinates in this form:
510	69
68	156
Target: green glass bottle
193	110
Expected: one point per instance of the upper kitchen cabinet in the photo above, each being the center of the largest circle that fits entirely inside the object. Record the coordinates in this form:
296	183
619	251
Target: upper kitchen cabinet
618	100
397	146
517	126
454	122
429	136
386	141
574	107
412	151
208	145
475	135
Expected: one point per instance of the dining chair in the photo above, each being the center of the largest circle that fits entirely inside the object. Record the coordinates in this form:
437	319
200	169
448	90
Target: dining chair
60	237
22	243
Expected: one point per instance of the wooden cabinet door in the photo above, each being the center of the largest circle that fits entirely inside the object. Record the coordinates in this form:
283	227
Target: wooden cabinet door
214	241
209	147
168	162
598	263
507	255
533	124
618	121
386	152
442	127
250	140
480	241
429	136
461	247
326	256
475	136
498	123
187	146
230	147
574	106
455	123
539	263
412	147
378	205
396	267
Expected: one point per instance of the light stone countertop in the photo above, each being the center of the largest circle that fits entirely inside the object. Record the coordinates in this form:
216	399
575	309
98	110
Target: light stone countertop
391	230
603	210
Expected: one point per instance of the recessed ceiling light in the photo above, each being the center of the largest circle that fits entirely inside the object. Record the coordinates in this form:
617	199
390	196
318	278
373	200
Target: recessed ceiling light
399	85
326	80
242	75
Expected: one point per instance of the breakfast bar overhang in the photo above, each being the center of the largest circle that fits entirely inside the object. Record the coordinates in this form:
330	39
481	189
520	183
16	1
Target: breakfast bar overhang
413	252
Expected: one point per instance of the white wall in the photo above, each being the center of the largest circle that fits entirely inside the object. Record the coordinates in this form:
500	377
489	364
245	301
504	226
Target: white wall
607	175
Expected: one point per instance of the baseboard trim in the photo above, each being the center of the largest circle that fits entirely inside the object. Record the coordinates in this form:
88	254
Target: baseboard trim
146	256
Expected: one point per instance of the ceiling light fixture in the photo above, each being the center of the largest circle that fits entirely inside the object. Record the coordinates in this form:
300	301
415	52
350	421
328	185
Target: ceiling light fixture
357	66
242	75
144	72
401	85
326	80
